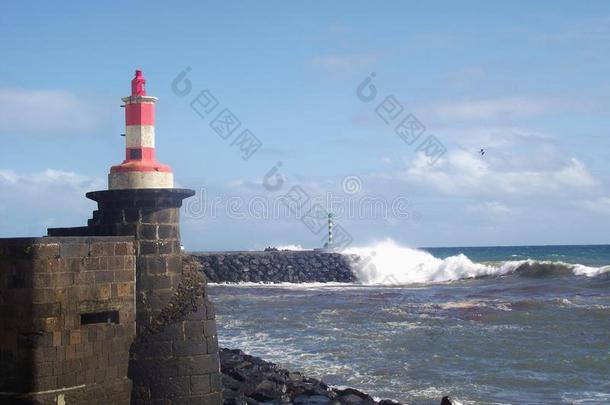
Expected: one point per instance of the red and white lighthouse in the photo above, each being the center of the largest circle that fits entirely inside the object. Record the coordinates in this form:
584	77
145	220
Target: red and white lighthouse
140	169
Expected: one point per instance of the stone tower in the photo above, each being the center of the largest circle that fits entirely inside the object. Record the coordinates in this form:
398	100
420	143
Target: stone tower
174	358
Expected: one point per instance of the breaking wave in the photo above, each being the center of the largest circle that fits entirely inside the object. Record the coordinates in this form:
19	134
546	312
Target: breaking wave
387	263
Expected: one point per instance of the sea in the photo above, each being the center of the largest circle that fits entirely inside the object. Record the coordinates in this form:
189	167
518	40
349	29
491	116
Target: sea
484	325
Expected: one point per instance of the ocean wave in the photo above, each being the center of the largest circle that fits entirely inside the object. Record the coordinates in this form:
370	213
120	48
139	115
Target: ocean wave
387	263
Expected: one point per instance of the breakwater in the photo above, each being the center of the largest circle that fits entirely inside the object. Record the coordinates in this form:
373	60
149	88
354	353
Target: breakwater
283	266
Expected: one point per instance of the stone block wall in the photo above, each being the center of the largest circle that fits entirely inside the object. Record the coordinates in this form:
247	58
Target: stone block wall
67	312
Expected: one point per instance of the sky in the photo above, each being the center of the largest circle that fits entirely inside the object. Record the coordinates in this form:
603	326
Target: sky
376	112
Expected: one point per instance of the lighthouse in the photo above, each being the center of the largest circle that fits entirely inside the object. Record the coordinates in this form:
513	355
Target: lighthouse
173	350
140	169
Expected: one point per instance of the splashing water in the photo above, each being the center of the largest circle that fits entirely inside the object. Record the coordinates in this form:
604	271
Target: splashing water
387	263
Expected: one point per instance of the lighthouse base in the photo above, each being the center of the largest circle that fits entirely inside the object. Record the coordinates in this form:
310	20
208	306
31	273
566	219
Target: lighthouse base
130	180
174	356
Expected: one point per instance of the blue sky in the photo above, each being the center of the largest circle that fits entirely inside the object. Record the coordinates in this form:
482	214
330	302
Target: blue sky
526	81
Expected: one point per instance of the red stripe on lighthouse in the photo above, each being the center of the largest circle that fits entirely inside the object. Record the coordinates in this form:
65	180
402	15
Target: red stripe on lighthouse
140	114
140	154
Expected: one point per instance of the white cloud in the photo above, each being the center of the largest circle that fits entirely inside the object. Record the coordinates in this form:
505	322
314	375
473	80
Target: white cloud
493	108
491	207
45	112
466	78
591	29
465	173
343	64
51	198
600	205
54	180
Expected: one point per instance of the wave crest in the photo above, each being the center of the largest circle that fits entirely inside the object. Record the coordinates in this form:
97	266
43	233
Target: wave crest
387	263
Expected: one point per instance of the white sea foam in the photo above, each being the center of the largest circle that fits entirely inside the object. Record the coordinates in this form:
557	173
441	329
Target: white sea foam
291	247
581	270
387	263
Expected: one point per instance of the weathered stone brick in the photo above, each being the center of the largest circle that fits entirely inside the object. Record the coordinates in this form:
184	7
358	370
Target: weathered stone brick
75	337
168	231
70	352
170	388
86	292
209	327
62	279
84	277
193	365
112	216
47	310
123	249
104	276
125	289
149	247
100	375
47	324
129	229
44	354
74	249
43	265
215	382
123	275
210	312
155	368
45	369
153	265
212	344
129	263
66	380
96	249
158	299
114	263
42	250
174	264
103	292
156	349
155	282
148	231
171	333
46	383
57	339
131	215
109	335
41	280
76	264
193	330
85	349
190	347
62	294
92	263
200	384
166	247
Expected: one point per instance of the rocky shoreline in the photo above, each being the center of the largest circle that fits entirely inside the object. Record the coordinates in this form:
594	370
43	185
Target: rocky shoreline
273	266
249	380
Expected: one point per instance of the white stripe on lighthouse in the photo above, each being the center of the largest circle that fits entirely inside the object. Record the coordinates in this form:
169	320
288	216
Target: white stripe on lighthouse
140	136
123	180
